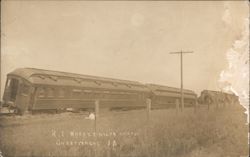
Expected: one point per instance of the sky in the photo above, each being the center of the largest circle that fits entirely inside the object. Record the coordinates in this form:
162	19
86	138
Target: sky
124	40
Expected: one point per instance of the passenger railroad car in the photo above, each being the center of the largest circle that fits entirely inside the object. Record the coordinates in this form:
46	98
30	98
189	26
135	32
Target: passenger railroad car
165	97
29	89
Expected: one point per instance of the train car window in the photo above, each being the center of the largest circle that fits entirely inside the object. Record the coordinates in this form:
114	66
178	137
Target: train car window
129	86
87	91
76	92
61	93
54	78
77	80
42	77
41	93
114	84
8	83
98	83
51	92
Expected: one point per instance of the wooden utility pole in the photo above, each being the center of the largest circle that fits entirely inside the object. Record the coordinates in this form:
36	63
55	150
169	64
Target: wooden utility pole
181	58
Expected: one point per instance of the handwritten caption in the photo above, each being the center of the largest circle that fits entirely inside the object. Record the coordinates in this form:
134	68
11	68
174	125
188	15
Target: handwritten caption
81	138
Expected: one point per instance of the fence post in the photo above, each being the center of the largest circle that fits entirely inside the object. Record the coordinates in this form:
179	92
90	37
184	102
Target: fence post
96	108
217	104
183	105
148	102
195	106
96	113
96	116
177	105
208	104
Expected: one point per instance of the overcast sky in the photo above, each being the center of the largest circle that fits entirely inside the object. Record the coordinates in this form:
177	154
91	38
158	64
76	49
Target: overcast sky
125	40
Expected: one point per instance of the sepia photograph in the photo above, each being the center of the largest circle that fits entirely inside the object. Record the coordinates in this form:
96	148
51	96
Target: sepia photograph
97	78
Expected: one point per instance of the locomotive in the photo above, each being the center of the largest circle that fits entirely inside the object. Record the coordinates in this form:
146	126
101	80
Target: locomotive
210	97
31	90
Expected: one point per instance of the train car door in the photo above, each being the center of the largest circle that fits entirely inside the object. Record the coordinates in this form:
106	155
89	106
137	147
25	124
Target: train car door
23	98
11	89
32	97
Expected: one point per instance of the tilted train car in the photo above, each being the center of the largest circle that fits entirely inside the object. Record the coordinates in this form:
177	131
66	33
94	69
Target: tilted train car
209	97
29	89
165	97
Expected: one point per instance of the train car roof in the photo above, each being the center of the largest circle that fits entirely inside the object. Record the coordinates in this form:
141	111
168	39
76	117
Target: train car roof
175	94
49	77
161	88
217	92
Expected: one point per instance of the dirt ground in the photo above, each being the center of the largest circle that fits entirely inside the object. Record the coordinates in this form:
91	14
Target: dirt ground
165	133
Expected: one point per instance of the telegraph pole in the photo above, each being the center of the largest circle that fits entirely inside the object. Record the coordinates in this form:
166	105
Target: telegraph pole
181	62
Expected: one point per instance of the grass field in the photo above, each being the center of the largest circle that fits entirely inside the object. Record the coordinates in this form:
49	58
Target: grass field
213	133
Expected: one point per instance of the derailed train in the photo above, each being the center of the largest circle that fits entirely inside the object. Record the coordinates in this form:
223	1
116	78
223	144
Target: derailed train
217	98
31	90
